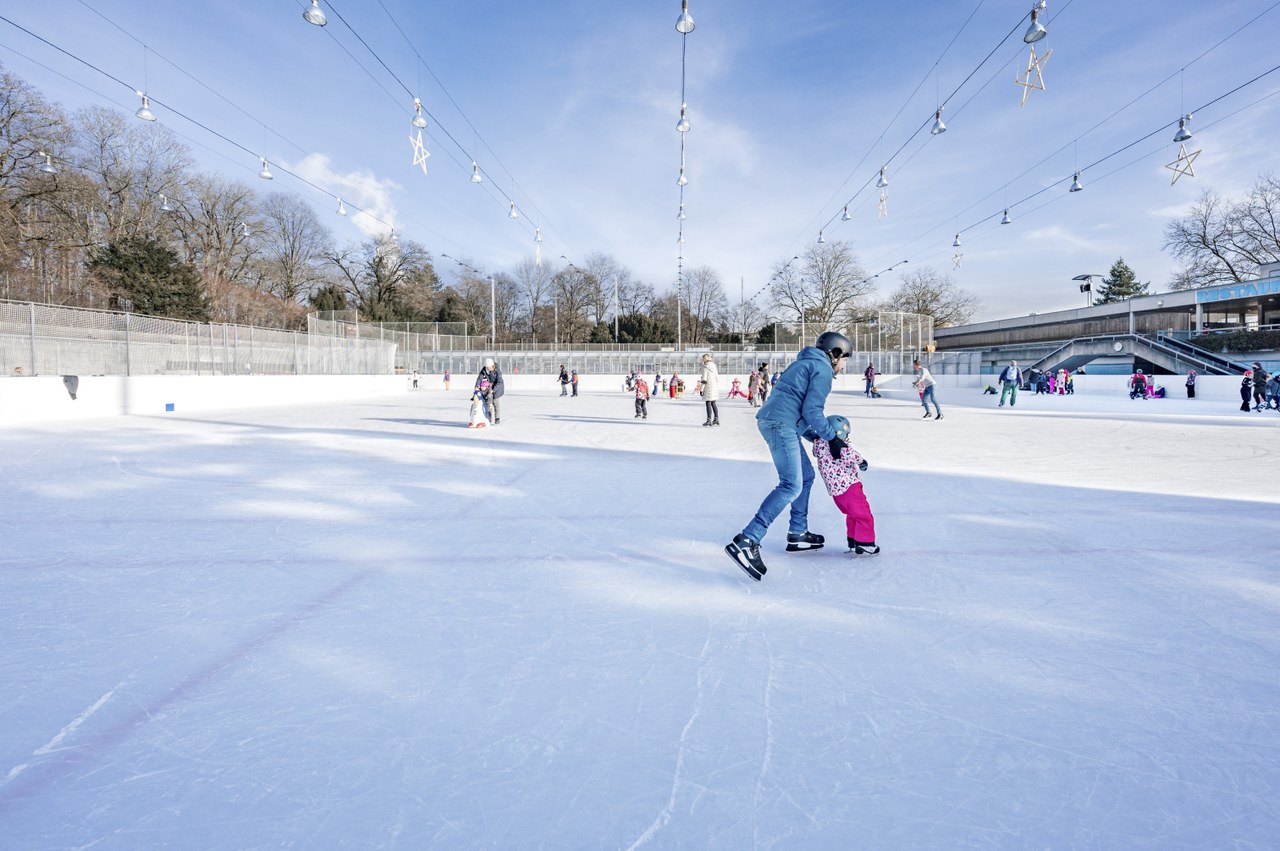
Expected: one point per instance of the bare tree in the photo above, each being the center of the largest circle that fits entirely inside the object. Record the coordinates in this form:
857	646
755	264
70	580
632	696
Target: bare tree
707	304
294	246
575	291
386	278
825	283
926	291
1224	241
533	283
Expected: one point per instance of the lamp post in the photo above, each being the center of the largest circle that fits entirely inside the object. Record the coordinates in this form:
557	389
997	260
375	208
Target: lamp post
493	314
1087	287
615	310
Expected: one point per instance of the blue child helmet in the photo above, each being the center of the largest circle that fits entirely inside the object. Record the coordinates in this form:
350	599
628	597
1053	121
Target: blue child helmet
839	425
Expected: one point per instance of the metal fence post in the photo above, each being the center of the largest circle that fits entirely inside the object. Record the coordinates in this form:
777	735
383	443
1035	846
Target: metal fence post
32	312
128	354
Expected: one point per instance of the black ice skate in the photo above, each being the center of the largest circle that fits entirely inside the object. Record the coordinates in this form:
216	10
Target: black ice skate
804	541
746	553
861	549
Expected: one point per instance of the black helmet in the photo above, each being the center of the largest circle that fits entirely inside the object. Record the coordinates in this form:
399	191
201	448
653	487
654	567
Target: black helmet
835	344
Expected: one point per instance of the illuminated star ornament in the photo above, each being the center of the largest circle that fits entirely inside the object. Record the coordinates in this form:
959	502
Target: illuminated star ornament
420	152
1033	77
955	259
1182	165
882	209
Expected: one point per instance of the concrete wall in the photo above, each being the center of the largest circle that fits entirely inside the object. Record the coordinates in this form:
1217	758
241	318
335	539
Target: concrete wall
46	398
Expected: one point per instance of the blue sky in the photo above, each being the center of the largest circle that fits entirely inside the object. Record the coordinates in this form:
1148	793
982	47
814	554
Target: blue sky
570	109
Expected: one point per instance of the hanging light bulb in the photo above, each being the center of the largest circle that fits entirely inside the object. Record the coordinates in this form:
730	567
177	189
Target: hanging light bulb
265	174
682	180
476	176
315	15
884	181
822	240
418	120
684	24
144	112
244	230
342	208
1007	218
956	244
1183	133
680	215
1036	31
683	124
845	217
47	167
513	214
938	127
1076	185
165	206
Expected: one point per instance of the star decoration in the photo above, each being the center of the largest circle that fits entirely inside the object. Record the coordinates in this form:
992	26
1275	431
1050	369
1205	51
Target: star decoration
1182	165
882	209
955	260
1035	66
420	152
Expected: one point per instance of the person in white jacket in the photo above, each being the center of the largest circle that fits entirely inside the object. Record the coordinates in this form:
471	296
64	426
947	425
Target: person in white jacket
710	380
924	383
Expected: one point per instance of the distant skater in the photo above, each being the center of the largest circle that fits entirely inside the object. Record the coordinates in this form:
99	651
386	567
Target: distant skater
710	382
446	379
642	399
924	383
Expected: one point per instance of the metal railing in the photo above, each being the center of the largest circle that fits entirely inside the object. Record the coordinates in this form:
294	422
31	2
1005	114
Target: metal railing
42	339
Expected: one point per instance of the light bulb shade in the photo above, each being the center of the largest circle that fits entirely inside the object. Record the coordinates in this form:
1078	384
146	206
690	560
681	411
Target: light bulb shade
1076	185
938	127
956	244
165	206
683	124
1183	133
47	167
537	234
476	176
1007	218
680	215
418	120
684	23
342	208
822	240
265	174
315	15
883	181
1036	31
845	217
513	214
144	112
682	180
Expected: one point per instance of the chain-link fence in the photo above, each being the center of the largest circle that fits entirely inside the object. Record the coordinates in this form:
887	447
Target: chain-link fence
39	339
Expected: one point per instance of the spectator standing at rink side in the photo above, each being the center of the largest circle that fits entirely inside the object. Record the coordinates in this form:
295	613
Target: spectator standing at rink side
924	383
792	415
1010	381
1191	384
710	381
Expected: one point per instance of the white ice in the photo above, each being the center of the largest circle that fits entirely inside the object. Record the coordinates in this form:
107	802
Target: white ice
366	626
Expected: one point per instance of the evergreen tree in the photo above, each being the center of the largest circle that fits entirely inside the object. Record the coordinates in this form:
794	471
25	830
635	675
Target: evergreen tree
1120	284
148	278
330	298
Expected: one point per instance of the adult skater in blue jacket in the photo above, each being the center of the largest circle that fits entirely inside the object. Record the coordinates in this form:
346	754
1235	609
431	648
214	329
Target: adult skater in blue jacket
794	410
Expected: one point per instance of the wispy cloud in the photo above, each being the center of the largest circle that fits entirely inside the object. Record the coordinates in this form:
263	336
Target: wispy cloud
369	196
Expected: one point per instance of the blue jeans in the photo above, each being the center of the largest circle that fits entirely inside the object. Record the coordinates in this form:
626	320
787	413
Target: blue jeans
929	397
795	480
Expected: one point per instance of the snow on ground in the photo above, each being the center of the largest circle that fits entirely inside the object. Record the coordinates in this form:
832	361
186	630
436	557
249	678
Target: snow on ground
366	626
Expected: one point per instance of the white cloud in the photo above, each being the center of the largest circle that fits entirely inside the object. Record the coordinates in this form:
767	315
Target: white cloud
369	197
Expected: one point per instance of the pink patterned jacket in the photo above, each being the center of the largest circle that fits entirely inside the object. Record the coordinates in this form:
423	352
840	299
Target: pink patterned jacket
838	474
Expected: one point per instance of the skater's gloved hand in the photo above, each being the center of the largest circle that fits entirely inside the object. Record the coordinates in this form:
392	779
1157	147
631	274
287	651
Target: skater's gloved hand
837	446
862	465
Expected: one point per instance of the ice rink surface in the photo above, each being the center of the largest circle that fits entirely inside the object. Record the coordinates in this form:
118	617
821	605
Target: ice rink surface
367	626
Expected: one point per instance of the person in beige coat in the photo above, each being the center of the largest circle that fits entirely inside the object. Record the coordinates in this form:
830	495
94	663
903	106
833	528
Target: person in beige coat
710	380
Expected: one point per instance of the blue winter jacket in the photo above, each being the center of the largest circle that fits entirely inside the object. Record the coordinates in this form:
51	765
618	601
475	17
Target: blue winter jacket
800	394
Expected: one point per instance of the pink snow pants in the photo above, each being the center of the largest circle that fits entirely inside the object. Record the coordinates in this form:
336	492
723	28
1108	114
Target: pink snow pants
858	520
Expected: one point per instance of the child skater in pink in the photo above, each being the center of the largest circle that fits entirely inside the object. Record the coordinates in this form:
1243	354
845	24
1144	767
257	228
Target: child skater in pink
841	478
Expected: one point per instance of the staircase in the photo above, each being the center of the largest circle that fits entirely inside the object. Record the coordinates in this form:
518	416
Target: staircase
1165	352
